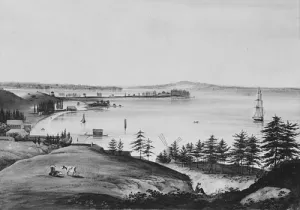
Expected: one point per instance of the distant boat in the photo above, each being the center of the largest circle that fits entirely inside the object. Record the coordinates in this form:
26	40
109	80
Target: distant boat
259	109
83	119
125	125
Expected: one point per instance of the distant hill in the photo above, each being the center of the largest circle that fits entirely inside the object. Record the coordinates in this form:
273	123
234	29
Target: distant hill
205	86
9	99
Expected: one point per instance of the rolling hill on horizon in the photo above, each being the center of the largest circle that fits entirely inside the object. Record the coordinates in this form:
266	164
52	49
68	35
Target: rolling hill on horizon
206	86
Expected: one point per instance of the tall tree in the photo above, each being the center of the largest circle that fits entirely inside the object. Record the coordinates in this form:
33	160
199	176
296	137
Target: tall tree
273	134
120	146
163	157
183	154
198	150
289	147
112	146
139	143
222	151
239	149
252	152
174	151
190	152
148	147
210	147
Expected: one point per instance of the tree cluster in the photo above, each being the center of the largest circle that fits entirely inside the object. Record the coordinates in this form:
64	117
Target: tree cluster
142	146
116	147
46	107
11	115
279	142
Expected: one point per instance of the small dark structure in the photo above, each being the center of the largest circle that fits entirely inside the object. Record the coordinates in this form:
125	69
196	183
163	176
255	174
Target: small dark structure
97	132
71	108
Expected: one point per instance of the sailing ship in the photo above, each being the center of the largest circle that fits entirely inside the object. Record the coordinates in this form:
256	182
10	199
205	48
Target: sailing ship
83	119
259	109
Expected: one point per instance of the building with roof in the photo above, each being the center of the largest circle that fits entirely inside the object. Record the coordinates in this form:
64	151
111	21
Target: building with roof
15	124
17	129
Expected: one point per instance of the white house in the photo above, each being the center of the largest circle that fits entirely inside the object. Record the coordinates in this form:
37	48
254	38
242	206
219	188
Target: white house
16	128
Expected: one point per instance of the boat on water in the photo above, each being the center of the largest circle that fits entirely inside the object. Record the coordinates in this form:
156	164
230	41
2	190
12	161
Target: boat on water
83	119
259	109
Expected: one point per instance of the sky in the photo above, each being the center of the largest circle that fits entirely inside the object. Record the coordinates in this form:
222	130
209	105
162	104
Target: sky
144	42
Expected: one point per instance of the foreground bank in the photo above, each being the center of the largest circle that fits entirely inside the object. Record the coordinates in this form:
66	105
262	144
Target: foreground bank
99	173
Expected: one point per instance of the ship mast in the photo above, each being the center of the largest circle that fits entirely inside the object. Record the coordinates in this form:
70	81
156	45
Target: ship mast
259	112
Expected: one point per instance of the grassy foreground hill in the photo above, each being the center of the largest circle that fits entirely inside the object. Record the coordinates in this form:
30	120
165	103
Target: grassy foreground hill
27	184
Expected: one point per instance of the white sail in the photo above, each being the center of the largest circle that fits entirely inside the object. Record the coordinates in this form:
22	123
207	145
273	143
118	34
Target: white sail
83	119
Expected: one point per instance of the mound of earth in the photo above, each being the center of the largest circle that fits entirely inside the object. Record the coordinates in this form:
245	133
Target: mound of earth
282	185
10	100
112	176
11	151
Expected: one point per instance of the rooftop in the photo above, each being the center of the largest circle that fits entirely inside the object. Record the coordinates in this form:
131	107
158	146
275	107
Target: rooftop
14	122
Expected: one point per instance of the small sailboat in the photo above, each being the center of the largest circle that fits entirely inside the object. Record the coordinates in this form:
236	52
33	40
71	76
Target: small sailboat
259	110
83	119
125	125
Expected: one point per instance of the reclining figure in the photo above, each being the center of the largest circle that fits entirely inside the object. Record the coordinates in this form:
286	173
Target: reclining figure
54	172
199	189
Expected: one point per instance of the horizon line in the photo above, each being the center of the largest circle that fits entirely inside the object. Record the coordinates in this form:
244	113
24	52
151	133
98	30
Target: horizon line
161	84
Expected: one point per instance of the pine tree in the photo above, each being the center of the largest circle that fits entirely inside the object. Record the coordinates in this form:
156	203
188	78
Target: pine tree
174	150
112	146
252	152
183	154
2	117
289	147
210	147
120	147
198	150
138	144
239	148
190	152
222	151
273	133
163	157
166	157
148	148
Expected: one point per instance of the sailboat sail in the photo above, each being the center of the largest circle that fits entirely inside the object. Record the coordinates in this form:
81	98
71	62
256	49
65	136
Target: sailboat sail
259	110
125	124
83	119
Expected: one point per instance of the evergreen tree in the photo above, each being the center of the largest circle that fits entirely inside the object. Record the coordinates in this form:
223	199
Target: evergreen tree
163	157
198	150
222	151
210	147
2	116
289	147
139	143
273	133
148	148
183	154
120	147
239	148
174	151
190	152
252	152
112	146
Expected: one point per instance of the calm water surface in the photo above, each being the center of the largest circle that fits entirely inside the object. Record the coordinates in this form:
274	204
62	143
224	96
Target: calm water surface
221	114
